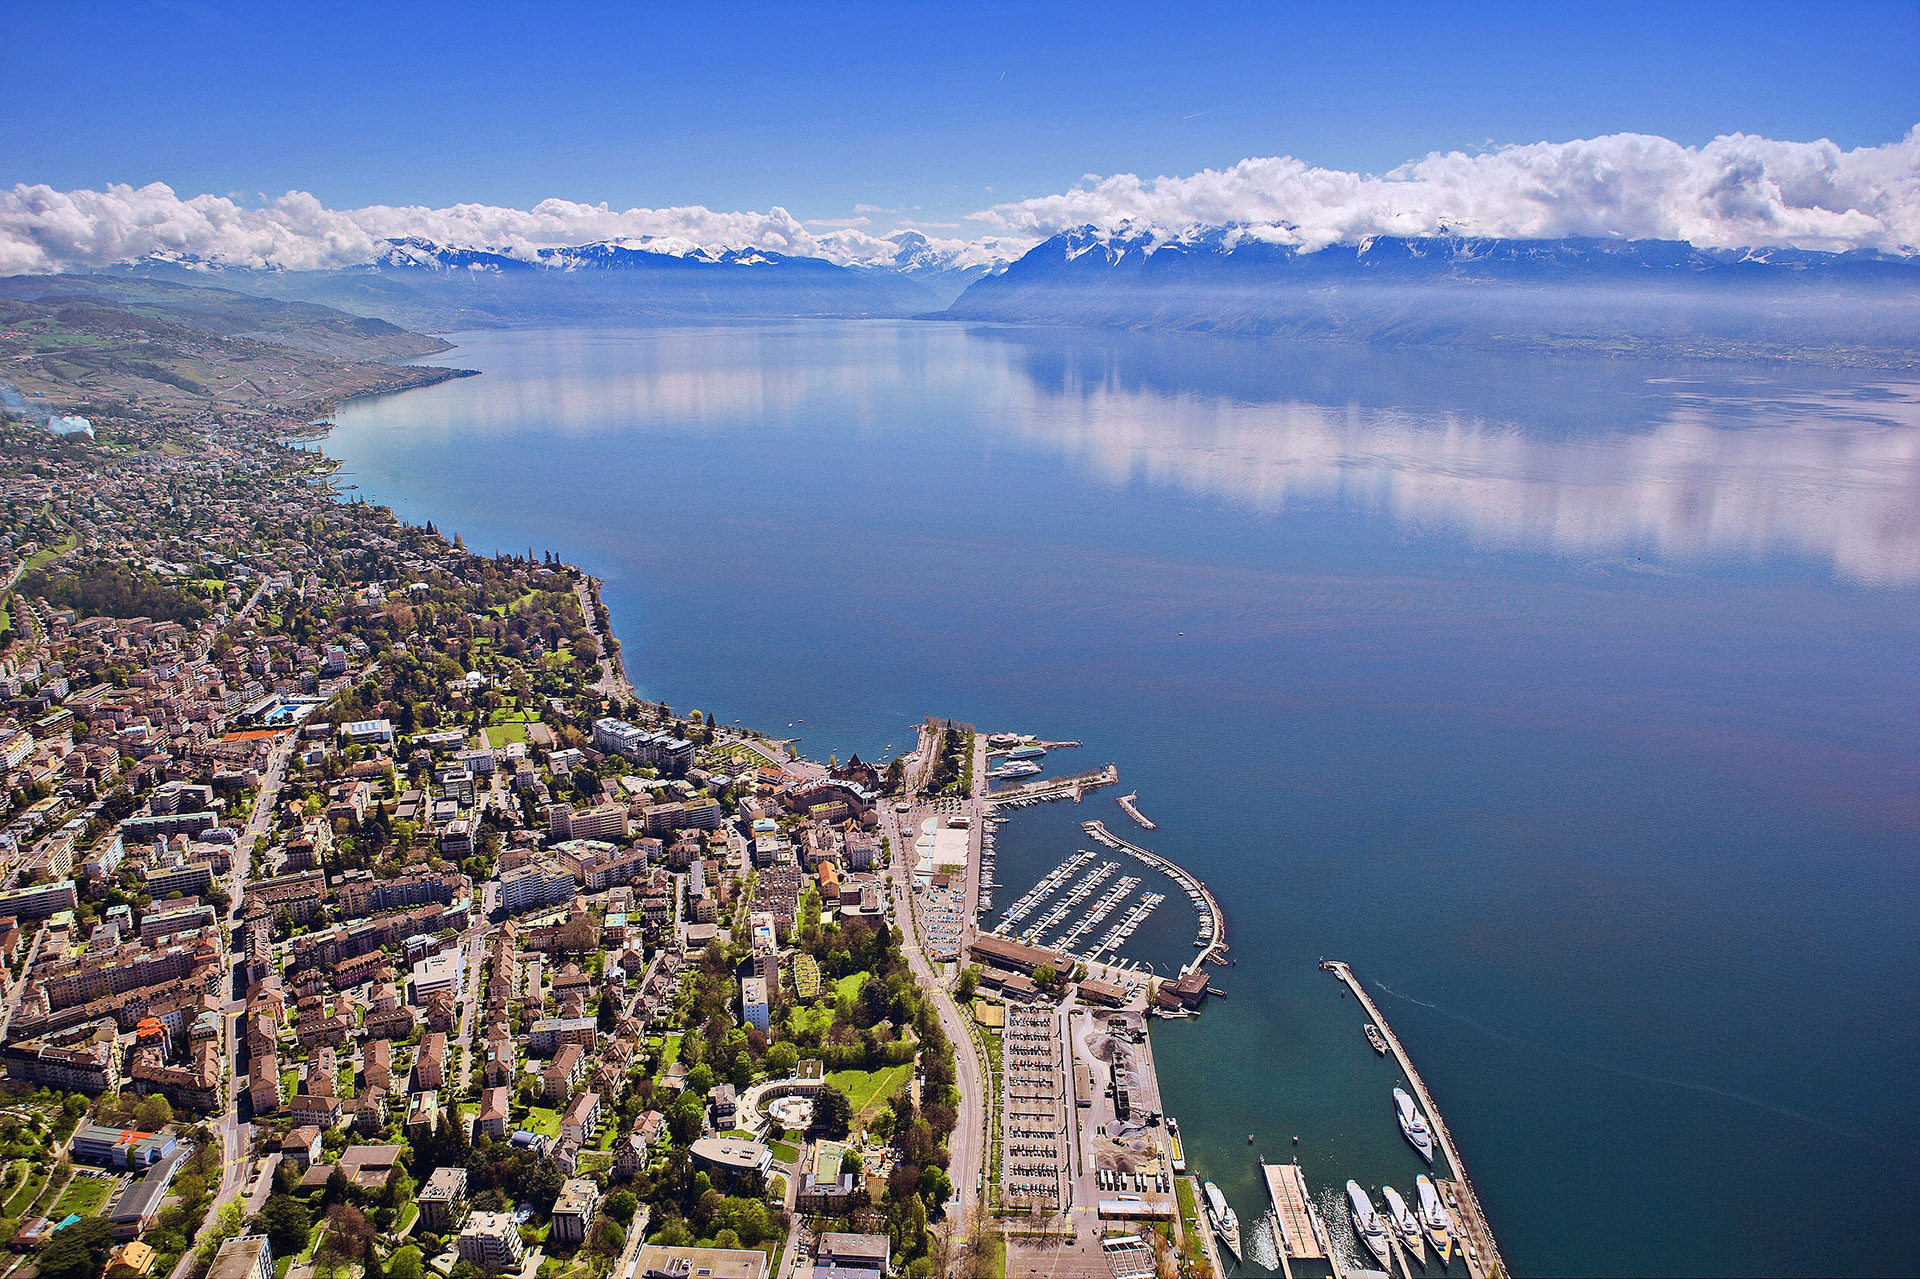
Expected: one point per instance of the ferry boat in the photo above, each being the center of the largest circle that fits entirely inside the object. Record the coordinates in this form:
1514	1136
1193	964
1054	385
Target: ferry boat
1434	1219
1406	1224
1369	1225
1220	1215
1378	1040
1413	1124
1020	769
1027	752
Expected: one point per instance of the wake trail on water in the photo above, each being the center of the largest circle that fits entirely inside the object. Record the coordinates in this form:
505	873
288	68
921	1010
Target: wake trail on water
1831	1126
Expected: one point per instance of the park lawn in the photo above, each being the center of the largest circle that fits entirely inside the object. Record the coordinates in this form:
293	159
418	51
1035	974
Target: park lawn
869	1090
785	1153
30	1187
507	726
848	987
542	1120
83	1195
669	1054
813	1020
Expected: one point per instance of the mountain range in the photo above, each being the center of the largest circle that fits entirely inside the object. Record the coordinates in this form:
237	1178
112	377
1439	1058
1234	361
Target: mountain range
1616	296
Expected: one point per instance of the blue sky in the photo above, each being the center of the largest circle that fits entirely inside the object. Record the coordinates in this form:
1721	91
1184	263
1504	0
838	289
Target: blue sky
936	110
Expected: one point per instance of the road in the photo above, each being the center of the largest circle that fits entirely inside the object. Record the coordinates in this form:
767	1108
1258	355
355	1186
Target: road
613	680
967	1146
236	1135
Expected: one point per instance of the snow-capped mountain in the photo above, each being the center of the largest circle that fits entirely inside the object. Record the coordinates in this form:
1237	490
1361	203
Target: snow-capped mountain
1649	295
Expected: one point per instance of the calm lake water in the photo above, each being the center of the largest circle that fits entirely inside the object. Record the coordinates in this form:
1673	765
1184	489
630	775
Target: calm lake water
1576	704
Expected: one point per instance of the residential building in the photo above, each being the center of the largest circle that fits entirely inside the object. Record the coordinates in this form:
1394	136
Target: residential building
243	1257
753	1003
491	1241
442	1199
573	1211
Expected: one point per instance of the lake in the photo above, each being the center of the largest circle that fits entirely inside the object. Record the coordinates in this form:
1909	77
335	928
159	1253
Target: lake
1575	703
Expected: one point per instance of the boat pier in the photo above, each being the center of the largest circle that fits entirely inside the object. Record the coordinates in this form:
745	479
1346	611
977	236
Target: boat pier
1031	899
1046	789
1127	802
1065	906
1294	1211
1101	909
1213	921
1483	1257
1118	934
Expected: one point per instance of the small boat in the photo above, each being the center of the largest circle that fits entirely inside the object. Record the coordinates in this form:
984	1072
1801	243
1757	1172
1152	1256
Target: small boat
1220	1215
1434	1219
1369	1225
1413	1124
1406	1224
1378	1040
1249	1139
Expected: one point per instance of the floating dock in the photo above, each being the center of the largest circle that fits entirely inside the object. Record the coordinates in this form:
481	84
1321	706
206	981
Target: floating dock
1287	1187
1484	1257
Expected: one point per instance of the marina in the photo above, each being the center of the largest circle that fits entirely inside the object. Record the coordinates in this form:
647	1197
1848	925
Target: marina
1031	899
1483	1257
1095	917
1212	942
1118	934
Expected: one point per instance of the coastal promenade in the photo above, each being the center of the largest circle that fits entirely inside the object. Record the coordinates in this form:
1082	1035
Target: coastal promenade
1484	1257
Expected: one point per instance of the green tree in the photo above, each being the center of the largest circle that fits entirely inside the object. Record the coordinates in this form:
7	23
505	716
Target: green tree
404	1263
621	1205
782	1060
832	1112
79	1251
286	1222
153	1113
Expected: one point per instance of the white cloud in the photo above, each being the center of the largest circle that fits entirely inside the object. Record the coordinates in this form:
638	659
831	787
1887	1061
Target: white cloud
1737	191
42	229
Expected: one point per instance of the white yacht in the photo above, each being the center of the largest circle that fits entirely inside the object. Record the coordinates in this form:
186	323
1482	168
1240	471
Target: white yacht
1406	1224
1435	1219
1414	1124
1369	1224
1220	1214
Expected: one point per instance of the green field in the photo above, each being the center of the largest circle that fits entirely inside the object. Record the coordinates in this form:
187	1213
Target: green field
17	1203
505	727
83	1195
784	1153
669	1053
542	1120
869	1090
848	987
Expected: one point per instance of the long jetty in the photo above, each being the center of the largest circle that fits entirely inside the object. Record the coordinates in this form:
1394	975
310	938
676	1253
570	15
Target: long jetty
1485	1258
1215	934
1043	789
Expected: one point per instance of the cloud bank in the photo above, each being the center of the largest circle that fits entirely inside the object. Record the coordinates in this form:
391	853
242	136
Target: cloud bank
43	230
1736	191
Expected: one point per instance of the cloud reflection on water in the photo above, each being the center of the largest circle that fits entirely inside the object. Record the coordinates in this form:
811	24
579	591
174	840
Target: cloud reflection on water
1831	475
